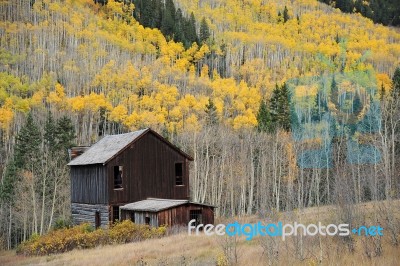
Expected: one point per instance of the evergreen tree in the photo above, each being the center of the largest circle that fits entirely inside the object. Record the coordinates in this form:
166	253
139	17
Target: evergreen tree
7	184
190	30
285	15
179	35
211	111
50	133
146	13
263	118
274	107
168	19
204	31
156	12
382	93
320	108
284	110
334	92
395	93
280	19
28	143
344	5
65	134
357	104
280	108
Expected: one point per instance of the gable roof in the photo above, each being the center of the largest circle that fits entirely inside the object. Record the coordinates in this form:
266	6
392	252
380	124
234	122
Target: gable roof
111	145
156	205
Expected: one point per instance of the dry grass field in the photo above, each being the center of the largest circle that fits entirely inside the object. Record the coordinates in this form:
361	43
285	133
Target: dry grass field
181	249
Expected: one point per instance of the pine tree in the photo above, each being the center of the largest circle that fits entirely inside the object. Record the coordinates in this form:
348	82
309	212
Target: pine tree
179	35
65	134
263	118
168	20
50	133
320	108
204	31
190	30
156	14
284	109
357	104
285	15
211	111
28	143
382	93
395	93
334	92
7	184
280	108
274	107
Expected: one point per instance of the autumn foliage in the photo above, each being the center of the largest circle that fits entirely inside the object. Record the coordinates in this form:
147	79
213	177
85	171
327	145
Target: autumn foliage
84	236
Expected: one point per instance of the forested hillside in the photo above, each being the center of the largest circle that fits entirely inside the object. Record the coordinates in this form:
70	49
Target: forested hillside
386	12
72	71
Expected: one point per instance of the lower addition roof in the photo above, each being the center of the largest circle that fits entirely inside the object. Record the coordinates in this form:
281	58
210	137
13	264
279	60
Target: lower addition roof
156	205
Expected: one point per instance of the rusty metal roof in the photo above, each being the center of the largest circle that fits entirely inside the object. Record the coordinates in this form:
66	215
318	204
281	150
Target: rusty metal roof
153	204
106	148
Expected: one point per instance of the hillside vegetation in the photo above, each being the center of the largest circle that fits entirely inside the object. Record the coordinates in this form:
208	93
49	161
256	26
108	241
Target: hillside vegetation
82	70
181	249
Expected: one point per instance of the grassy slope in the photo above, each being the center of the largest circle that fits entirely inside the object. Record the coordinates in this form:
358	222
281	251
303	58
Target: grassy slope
182	249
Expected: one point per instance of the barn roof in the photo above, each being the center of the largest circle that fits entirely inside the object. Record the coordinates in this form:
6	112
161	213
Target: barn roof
156	205
108	147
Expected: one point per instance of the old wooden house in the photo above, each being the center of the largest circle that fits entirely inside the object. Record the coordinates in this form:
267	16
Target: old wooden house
134	170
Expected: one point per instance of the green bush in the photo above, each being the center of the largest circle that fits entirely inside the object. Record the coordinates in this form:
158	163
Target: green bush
84	236
61	223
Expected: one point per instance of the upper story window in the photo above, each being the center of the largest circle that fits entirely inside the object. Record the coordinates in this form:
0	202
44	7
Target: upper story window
178	174
118	175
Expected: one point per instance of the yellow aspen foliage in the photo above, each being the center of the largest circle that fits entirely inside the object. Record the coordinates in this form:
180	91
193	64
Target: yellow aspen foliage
37	99
204	50
57	97
166	95
204	71
6	114
200	105
133	121
176	113
247	120
385	80
192	124
94	102
118	114
219	105
21	105
77	103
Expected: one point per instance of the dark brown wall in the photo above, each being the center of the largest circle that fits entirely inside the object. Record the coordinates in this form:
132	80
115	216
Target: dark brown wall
149	171
89	184
180	215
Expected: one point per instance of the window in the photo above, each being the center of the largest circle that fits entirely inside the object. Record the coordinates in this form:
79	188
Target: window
115	210
197	215
178	174
147	220
97	220
118	173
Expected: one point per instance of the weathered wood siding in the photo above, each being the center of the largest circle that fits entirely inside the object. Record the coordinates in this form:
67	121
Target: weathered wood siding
89	184
86	213
148	171
180	215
